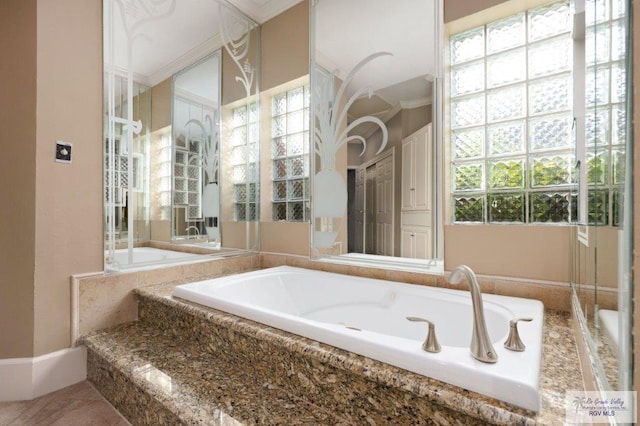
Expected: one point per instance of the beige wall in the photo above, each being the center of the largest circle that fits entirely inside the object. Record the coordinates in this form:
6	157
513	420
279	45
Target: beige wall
68	196
17	173
285	46
519	251
456	9
161	104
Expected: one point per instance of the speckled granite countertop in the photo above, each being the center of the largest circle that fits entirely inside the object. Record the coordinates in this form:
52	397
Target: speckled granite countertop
560	372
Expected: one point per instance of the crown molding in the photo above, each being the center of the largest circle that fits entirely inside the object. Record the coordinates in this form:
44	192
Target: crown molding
191	57
415	103
265	11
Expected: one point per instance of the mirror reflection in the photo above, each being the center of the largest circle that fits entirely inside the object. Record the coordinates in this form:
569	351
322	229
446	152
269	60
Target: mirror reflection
173	96
196	154
374	191
601	241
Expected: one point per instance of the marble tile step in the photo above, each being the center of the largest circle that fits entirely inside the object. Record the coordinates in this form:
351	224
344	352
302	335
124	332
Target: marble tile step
153	379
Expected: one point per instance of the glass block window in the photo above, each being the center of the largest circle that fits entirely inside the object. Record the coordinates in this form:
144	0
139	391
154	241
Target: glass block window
512	144
605	115
245	173
290	155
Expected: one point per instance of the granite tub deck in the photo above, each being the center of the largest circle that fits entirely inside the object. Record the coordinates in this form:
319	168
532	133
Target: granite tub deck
186	363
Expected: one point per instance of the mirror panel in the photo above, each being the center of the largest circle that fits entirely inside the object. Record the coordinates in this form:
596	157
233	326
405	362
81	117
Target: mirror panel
375	196
602	240
180	166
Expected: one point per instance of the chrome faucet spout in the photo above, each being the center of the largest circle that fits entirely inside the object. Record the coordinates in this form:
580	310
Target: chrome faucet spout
481	347
190	228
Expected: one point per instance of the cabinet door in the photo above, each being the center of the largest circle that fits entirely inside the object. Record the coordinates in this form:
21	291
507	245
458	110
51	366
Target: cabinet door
407	174
406	243
421	248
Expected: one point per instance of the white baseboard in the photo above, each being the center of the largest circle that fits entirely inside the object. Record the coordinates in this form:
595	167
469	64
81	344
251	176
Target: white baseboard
28	378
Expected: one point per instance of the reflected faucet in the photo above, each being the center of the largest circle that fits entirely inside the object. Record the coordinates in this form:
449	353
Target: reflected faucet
481	347
192	227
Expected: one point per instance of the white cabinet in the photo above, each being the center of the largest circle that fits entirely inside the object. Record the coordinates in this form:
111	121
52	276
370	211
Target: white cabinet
416	170
416	195
415	243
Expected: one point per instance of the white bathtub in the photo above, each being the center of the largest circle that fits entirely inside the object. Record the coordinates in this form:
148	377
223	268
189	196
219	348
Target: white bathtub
147	257
368	317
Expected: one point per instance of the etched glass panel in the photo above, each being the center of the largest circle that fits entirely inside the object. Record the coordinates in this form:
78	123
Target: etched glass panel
506	207
468	45
505	104
506	33
549	206
550	95
505	68
506	174
468	209
468	143
253	133
549	56
550	132
506	138
549	20
618	165
550	170
468	111
467	78
468	177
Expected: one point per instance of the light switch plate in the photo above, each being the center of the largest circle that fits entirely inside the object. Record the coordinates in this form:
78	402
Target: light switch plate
63	152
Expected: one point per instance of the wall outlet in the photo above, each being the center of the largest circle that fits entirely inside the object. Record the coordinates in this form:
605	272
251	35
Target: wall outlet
63	152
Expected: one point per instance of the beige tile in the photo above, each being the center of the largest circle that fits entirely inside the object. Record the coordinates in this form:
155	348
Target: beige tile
107	301
553	297
302	262
237	264
160	275
79	404
270	260
89	413
10	411
203	269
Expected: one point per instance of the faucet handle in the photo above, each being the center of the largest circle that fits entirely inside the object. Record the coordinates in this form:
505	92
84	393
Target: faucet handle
513	342
431	342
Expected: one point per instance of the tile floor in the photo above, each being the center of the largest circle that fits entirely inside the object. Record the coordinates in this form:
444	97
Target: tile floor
76	405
